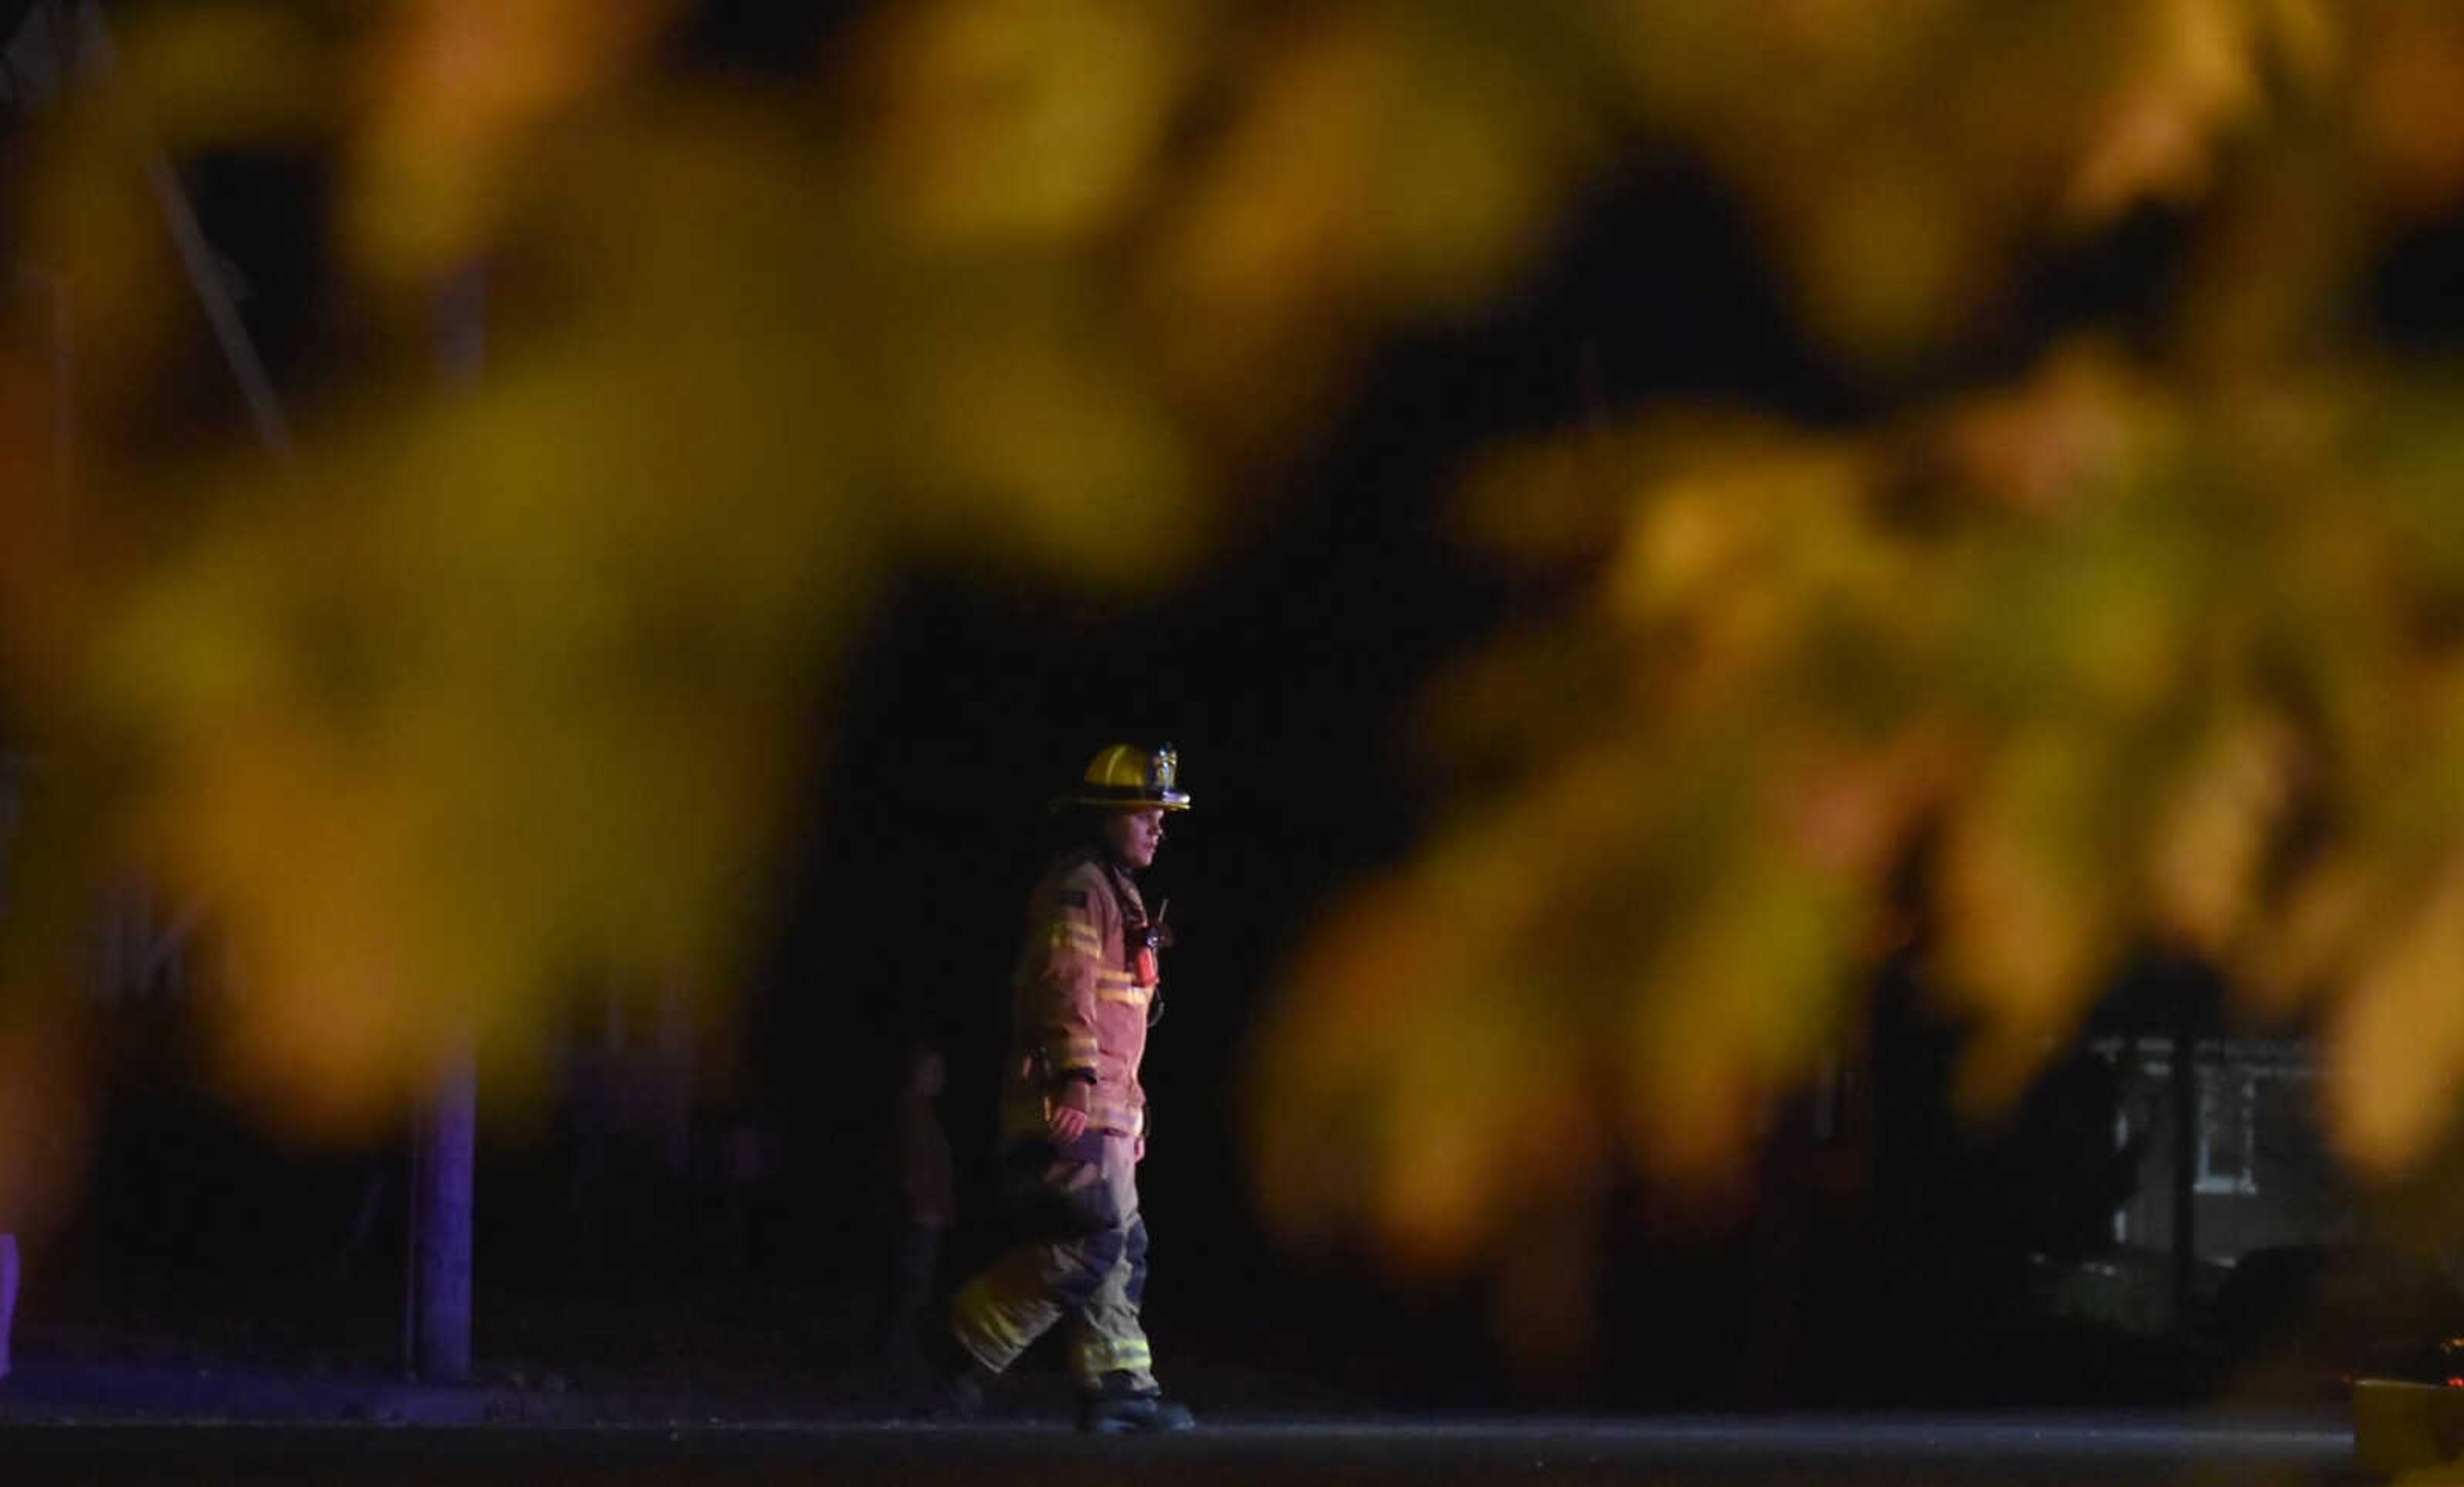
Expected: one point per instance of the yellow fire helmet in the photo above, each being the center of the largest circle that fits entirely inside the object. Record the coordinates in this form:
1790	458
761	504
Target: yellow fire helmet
1126	778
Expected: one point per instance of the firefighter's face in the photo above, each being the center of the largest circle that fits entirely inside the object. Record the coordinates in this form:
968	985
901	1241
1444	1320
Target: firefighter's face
1134	835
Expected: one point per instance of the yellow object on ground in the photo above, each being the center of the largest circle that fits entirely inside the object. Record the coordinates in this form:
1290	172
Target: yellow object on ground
2400	1428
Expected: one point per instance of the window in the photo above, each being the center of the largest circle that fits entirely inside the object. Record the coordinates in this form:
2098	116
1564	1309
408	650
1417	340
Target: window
2228	1114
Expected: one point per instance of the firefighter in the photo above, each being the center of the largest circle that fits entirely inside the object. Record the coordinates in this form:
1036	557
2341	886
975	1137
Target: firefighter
1073	1114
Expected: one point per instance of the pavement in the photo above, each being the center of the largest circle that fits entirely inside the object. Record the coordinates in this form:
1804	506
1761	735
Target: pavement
1236	1453
76	1392
90	1422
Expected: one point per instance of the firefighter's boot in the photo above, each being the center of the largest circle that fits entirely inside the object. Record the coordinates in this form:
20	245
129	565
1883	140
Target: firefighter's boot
1120	1408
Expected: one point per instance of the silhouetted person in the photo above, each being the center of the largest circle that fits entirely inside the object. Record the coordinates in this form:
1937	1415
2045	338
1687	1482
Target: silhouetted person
926	1203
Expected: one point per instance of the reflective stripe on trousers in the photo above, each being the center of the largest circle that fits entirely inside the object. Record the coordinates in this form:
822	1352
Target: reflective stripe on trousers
1098	1281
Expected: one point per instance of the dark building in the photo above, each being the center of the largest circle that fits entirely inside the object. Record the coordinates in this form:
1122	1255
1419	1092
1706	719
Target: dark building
2263	1175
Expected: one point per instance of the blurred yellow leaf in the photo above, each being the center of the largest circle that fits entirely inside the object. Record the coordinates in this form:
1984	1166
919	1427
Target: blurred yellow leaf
2395	1044
456	90
210	74
2211	842
2060	436
2410	107
2024	908
1025	121
2195	75
1734	1013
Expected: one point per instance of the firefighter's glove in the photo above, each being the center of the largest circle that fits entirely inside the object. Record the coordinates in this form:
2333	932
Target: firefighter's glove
1066	1108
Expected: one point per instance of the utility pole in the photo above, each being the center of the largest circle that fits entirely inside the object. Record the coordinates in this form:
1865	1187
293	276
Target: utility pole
2189	994
2186	1157
445	1140
436	1317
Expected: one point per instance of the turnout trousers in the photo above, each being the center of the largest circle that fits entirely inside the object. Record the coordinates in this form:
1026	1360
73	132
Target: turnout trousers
1093	1275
